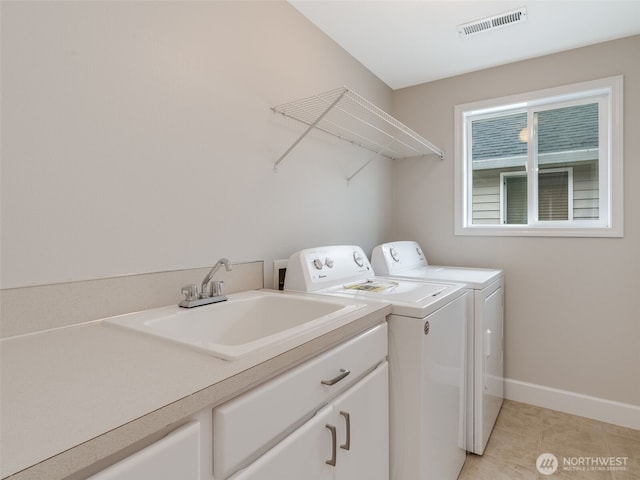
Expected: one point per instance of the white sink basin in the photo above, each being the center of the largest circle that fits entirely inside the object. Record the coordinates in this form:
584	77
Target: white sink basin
245	323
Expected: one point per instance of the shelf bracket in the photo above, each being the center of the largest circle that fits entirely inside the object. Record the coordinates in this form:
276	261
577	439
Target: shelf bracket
371	159
306	132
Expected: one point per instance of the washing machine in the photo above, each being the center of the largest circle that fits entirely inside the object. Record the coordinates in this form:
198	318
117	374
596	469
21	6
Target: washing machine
427	355
485	367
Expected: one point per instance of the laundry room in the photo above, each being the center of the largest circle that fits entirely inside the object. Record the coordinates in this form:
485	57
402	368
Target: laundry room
143	141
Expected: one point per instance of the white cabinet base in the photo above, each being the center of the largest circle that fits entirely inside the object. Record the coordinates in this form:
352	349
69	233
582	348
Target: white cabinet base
325	419
176	456
346	440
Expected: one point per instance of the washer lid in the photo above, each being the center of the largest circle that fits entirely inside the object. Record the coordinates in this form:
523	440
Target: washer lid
396	289
407	298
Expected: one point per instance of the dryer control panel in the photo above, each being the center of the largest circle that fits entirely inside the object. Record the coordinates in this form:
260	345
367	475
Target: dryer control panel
395	257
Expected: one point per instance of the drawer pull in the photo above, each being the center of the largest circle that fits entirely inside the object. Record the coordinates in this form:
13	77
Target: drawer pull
332	460
333	381
347	421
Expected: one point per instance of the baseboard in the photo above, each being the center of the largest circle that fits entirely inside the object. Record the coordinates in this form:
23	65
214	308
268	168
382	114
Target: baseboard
601	409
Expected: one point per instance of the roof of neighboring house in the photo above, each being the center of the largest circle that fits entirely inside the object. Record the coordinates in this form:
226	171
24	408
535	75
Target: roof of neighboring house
497	141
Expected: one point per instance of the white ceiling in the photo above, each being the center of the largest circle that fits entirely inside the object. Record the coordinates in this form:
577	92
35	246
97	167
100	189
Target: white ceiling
405	43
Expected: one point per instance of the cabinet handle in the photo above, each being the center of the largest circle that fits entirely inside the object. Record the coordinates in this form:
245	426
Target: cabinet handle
332	460
333	381
347	420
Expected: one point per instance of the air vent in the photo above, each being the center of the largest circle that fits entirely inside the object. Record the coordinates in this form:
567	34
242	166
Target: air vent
493	23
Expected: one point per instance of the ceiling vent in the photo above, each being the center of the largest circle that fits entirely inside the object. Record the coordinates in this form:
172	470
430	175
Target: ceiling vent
493	23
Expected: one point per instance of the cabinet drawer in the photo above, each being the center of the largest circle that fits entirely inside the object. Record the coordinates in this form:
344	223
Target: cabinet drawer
248	425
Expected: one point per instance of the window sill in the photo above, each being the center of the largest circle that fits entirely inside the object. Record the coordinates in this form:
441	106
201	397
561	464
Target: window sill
529	231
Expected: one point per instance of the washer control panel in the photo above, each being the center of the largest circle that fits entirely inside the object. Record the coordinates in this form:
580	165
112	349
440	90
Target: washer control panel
324	267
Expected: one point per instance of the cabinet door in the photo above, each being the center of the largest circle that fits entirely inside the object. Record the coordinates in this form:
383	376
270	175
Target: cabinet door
175	456
301	455
362	420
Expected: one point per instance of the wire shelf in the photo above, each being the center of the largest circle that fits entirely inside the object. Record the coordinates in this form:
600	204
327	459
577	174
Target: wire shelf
345	114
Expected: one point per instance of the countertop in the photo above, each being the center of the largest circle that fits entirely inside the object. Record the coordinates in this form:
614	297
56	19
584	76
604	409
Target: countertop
73	396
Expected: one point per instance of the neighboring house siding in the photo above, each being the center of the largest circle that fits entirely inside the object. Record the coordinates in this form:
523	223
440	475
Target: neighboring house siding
486	197
486	193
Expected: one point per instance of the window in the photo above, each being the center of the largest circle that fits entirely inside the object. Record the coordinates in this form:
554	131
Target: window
543	163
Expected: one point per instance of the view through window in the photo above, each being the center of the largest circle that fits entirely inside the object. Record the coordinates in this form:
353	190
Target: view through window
545	163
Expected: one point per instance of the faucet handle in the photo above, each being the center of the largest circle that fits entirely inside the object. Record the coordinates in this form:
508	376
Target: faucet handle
190	292
216	288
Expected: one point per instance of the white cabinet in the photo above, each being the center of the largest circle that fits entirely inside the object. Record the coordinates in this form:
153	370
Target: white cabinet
175	456
303	454
362	422
325	419
345	440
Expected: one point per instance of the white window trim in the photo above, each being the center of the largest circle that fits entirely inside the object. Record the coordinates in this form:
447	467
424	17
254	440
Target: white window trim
612	149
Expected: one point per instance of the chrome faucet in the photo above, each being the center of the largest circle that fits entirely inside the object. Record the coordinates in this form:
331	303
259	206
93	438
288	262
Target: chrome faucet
216	287
207	295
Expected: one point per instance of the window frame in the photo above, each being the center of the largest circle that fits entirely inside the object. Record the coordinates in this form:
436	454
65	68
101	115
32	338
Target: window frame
609	91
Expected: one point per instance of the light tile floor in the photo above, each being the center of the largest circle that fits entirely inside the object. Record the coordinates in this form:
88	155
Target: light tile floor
523	432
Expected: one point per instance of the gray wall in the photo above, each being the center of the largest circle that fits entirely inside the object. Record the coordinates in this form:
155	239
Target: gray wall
138	137
572	310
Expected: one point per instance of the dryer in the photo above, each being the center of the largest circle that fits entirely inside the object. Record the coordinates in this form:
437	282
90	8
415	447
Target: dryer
427	355
485	330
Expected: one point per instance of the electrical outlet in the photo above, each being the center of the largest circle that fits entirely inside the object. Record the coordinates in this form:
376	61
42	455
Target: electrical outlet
279	270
